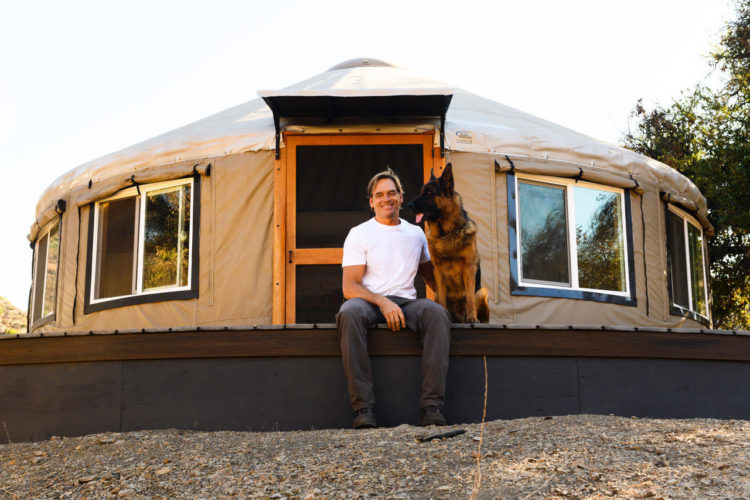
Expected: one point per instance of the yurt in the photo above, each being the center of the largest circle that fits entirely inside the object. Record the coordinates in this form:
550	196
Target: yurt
195	276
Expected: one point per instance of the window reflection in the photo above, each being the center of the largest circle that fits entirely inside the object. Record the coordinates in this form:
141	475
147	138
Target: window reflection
143	240
116	250
50	282
39	265
47	255
166	246
686	263
571	235
599	240
677	260
697	278
544	233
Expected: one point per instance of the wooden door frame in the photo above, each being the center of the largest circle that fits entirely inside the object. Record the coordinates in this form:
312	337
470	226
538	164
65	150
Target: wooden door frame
284	205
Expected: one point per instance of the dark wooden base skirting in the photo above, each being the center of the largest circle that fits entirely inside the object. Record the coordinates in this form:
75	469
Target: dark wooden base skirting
264	380
268	394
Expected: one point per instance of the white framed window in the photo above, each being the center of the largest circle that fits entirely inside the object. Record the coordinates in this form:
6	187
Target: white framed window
142	244
687	266
571	239
46	262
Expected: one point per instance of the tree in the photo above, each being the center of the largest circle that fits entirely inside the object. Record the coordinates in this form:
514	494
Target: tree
705	135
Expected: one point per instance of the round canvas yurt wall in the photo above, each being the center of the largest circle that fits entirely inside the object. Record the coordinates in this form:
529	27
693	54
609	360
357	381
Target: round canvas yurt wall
206	197
648	302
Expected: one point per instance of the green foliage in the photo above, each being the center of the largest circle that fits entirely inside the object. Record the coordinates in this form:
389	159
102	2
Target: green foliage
705	135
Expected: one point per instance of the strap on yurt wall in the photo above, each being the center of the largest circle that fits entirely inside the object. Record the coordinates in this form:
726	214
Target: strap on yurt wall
78	258
643	250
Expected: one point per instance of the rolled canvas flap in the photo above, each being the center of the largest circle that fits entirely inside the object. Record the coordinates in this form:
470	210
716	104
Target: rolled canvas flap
45	218
98	190
699	212
567	170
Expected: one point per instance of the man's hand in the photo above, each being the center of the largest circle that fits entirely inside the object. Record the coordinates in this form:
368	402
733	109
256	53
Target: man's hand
352	286
393	314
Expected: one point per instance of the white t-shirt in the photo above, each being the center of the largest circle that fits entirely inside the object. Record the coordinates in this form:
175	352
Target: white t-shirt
392	255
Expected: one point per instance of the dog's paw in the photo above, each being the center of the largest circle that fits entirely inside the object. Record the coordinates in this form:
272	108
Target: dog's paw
472	319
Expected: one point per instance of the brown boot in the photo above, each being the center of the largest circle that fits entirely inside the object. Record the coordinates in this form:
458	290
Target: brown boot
431	415
364	418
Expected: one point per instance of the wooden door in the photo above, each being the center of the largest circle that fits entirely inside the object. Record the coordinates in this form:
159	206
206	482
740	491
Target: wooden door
324	180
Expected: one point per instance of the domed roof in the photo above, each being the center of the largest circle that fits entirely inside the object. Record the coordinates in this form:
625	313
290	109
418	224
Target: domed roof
473	124
361	62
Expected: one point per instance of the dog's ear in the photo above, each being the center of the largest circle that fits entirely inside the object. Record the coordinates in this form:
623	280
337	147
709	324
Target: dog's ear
446	180
432	175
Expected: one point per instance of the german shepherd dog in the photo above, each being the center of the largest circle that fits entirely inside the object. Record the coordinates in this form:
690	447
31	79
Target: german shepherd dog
452	240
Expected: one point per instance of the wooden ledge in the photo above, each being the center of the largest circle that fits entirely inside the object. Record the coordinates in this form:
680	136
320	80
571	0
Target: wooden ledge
304	340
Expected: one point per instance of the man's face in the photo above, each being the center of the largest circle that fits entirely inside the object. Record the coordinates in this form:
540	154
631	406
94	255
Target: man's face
386	200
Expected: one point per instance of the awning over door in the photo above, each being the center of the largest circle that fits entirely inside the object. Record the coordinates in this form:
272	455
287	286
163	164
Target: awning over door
347	103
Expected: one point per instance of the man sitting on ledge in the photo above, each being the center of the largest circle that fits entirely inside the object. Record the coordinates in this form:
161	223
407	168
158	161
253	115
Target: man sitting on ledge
381	259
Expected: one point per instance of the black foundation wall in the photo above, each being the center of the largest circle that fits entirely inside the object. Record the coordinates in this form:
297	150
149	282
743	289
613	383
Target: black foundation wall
265	394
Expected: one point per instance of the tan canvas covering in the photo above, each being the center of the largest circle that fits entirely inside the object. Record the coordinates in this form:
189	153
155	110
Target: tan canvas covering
235	257
474	124
236	227
484	188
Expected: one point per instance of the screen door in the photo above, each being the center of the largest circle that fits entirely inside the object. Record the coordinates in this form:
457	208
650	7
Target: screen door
326	197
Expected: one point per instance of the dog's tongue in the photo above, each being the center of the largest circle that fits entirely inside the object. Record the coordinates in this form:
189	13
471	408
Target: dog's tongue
419	218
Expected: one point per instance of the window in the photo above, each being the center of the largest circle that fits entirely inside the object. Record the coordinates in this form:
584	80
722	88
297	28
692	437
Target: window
46	259
142	245
687	269
570	239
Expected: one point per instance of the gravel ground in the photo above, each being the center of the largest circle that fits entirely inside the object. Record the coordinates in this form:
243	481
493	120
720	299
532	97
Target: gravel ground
581	456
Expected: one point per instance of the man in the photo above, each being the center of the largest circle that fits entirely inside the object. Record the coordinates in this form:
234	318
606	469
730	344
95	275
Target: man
381	258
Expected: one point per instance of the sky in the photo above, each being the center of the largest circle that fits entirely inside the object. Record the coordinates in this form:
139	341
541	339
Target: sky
81	79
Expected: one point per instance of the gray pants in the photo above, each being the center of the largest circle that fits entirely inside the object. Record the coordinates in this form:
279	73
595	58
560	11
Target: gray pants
425	317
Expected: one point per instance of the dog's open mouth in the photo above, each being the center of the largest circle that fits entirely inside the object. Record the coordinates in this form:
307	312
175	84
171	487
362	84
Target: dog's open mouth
419	218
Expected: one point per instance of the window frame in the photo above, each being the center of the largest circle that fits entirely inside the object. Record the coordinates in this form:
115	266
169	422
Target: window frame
46	230
549	289
676	309
188	291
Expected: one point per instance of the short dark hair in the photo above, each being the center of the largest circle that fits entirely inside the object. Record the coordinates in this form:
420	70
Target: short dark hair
385	174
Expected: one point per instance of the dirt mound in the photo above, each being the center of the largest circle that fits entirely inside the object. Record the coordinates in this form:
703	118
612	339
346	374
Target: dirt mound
12	319
579	456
